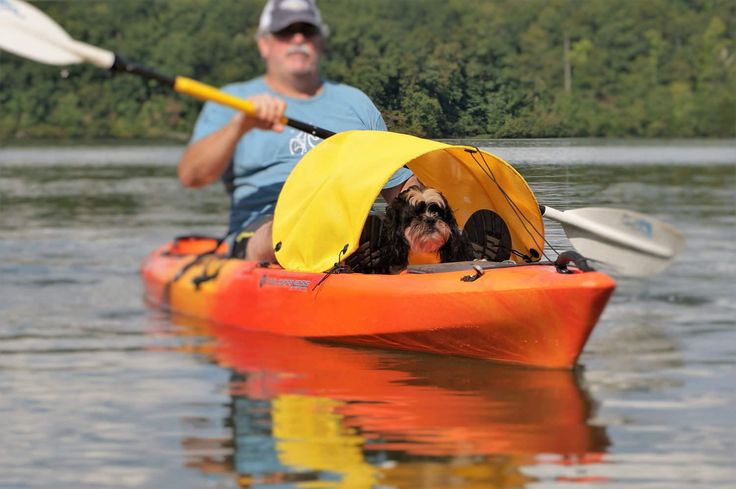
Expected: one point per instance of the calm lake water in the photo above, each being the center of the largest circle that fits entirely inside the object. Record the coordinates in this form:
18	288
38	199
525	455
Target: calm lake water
100	391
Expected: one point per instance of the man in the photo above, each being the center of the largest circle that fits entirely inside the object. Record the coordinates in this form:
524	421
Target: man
254	155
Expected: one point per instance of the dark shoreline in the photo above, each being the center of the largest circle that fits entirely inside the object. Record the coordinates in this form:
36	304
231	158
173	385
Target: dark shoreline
680	152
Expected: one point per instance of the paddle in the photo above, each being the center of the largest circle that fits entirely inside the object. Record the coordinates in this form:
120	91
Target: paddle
28	32
633	244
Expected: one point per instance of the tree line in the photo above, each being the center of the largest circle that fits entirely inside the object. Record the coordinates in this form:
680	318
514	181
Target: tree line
435	68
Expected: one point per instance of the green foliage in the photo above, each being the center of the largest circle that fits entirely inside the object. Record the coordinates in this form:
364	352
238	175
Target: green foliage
436	68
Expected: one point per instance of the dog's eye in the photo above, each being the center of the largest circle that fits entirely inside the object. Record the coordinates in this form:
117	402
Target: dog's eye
434	208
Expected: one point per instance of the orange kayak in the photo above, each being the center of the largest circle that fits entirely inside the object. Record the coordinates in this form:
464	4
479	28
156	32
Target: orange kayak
533	314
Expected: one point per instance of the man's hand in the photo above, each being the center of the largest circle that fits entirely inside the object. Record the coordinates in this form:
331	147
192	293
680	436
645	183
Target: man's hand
269	111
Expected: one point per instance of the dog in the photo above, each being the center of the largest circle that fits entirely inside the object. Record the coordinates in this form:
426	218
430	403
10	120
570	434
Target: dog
419	220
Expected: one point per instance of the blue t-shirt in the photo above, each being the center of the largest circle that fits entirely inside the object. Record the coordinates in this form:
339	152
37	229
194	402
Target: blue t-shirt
263	159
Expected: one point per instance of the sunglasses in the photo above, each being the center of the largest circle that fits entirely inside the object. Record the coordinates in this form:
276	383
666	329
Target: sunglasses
306	30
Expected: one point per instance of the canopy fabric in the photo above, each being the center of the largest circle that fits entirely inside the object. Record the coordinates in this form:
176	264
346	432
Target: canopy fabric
326	199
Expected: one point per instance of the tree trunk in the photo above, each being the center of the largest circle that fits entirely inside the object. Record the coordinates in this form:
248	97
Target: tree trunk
566	63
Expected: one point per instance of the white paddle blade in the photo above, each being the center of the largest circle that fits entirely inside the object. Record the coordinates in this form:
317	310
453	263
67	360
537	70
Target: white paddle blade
625	261
631	243
24	15
18	22
20	43
28	32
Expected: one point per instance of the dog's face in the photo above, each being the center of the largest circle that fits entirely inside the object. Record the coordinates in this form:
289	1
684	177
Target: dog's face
425	219
419	220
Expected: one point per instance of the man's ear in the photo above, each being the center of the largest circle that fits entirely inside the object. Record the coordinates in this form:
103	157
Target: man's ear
319	44
264	47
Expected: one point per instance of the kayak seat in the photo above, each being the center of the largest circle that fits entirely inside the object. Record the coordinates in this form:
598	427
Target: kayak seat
488	235
240	241
367	257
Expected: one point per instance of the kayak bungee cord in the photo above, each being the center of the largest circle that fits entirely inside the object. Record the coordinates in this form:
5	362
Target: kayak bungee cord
338	267
485	168
199	257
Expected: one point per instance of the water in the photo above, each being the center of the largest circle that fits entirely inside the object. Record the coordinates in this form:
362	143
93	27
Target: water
100	391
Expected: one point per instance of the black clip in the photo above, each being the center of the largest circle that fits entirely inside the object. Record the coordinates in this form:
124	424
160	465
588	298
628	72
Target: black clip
199	280
576	258
478	274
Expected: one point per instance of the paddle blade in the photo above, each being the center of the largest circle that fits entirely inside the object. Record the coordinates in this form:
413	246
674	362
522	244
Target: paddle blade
631	243
28	32
21	44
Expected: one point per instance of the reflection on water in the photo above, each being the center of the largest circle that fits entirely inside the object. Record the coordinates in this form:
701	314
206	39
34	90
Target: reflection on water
97	391
346	417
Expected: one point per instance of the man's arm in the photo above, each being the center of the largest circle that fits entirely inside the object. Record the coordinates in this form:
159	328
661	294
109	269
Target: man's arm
205	160
390	194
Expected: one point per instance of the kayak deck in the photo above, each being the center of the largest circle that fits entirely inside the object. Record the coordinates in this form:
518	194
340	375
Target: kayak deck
521	314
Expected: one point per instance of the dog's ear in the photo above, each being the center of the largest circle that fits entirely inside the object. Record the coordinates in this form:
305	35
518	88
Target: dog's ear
394	248
457	247
393	222
448	215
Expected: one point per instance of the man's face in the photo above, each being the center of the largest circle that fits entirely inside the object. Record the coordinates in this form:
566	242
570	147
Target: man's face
293	51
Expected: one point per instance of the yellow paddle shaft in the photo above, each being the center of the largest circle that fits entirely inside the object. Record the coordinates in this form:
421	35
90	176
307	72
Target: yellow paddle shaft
202	91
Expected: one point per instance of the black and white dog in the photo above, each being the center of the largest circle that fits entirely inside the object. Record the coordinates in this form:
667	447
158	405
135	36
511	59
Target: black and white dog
419	220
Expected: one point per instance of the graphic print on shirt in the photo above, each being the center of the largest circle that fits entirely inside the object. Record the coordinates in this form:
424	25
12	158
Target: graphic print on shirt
302	142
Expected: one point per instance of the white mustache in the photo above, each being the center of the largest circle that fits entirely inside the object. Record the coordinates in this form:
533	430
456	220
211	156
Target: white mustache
298	49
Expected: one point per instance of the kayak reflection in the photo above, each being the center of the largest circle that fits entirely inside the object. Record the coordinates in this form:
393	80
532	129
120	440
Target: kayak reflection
302	411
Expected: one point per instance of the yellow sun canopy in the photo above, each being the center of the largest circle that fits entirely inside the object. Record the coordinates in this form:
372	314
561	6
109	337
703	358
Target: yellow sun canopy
326	199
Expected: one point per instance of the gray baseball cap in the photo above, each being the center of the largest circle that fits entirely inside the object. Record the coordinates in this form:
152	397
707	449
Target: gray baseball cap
279	14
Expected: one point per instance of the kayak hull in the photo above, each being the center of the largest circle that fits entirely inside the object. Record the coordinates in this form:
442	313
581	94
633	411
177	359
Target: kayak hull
526	314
